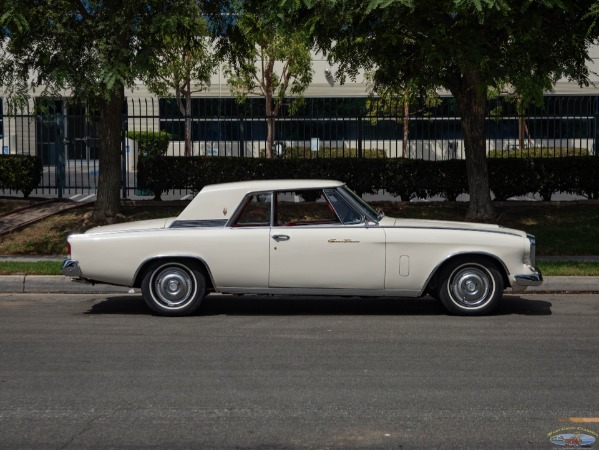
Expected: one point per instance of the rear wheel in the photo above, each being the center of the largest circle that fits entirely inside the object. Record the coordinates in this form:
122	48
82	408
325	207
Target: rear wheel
470	287
173	288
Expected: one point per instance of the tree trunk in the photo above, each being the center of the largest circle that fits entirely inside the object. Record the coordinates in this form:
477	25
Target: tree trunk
108	203
188	150
183	97
522	128
471	97
521	132
270	126
406	124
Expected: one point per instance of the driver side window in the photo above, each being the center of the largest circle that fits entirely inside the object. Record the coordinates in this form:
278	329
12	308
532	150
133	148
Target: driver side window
301	208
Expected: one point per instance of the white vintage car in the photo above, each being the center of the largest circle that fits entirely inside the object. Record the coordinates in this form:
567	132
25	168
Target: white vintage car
306	237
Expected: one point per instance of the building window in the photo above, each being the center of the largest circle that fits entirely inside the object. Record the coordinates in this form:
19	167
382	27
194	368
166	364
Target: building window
66	129
354	119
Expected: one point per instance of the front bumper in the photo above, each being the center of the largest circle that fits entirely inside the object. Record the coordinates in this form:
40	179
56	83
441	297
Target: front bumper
530	279
70	268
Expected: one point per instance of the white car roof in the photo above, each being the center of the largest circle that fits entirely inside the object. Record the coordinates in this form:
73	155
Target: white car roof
272	185
219	201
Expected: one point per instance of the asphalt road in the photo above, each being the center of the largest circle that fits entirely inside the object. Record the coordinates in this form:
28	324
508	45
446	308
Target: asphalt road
268	373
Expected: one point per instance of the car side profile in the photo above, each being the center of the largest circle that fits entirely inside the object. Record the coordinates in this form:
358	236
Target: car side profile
302	237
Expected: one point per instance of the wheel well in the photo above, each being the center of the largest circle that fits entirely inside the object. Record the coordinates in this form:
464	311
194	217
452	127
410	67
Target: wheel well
200	263
468	257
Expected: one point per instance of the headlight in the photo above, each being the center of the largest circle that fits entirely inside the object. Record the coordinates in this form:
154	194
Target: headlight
533	249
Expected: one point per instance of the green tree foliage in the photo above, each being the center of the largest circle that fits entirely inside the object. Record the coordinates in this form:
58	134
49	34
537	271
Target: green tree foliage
88	49
268	55
398	102
464	46
185	61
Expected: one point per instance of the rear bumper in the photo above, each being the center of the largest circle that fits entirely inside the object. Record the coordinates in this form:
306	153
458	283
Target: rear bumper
70	268
530	279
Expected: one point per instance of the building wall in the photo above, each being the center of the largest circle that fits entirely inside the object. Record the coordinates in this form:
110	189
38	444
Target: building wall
22	133
325	85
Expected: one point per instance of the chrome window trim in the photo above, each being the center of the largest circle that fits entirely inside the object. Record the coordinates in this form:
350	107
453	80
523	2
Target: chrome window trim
343	190
349	203
231	221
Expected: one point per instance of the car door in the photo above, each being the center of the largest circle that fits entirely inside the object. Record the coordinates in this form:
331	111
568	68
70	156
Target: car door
241	259
311	246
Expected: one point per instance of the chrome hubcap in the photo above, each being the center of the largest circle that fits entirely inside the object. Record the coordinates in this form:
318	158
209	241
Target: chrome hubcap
471	286
173	287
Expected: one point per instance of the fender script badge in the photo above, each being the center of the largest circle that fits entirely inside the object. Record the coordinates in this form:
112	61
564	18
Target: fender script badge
343	241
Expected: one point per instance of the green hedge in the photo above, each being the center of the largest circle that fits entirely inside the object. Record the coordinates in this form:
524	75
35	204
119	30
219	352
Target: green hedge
151	143
539	152
411	178
510	177
406	178
166	173
331	152
152	147
20	173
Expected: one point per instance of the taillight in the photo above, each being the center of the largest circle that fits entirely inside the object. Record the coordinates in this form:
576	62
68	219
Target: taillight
69	249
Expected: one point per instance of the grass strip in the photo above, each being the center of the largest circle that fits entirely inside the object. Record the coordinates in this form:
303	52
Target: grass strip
563	228
569	269
30	267
562	268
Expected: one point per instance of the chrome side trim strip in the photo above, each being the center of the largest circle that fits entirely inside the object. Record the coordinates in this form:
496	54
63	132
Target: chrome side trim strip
320	292
453	229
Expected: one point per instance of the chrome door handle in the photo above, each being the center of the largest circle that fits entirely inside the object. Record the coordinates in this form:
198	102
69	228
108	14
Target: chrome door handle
280	237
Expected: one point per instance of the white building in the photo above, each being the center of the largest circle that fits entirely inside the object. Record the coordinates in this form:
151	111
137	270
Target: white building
334	120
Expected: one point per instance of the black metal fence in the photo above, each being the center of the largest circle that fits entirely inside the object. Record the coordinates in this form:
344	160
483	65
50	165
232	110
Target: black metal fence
65	136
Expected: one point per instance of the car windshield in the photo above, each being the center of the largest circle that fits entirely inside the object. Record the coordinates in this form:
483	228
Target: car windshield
368	210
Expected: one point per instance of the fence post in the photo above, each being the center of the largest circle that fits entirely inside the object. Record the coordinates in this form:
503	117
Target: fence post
596	130
359	136
124	171
61	143
241	137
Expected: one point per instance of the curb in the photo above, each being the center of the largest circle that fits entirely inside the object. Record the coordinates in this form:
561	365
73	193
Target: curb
32	284
567	284
52	284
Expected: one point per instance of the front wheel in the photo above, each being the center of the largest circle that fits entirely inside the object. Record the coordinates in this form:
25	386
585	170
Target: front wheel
470	287
173	288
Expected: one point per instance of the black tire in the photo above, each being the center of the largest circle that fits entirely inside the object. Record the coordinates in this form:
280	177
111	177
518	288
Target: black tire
470	287
173	288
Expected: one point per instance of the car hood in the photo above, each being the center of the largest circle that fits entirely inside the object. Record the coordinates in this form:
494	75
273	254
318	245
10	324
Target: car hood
130	226
448	225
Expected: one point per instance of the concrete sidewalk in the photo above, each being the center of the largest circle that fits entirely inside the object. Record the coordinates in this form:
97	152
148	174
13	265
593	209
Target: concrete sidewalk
31	284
